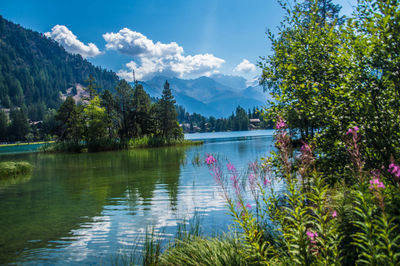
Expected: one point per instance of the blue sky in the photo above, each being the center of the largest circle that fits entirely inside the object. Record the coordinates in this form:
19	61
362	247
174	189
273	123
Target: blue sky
184	38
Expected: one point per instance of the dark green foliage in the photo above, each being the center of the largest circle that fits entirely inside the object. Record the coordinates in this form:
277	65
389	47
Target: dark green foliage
108	102
3	126
124	98
141	112
241	121
34	69
166	114
19	126
326	78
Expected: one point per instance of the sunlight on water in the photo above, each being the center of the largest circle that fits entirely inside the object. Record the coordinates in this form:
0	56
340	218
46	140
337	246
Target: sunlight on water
87	208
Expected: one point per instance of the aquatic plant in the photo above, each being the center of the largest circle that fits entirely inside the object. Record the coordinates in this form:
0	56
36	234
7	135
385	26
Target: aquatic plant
13	169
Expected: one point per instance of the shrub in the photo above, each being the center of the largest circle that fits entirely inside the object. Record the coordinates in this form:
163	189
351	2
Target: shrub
307	221
12	169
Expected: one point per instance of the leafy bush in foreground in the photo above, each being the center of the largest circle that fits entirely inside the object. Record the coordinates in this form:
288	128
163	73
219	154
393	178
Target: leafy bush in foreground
308	222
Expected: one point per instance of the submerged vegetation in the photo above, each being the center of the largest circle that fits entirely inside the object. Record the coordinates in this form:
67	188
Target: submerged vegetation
14	169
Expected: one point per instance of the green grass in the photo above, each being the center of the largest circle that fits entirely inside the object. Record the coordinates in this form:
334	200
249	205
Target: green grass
26	143
112	145
204	251
150	142
13	169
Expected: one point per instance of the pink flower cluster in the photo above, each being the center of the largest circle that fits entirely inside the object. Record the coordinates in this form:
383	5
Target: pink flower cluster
312	237
266	181
352	130
375	183
313	241
210	159
394	170
305	148
280	123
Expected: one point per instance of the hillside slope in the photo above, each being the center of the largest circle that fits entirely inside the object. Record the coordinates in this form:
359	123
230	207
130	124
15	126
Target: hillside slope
35	69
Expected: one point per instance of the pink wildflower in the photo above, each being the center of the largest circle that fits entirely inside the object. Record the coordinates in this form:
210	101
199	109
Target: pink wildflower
231	167
210	160
394	170
334	214
375	183
312	236
352	130
280	124
267	181
248	206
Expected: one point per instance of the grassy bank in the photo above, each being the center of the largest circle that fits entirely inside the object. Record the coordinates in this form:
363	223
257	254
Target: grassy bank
26	143
13	169
150	142
112	145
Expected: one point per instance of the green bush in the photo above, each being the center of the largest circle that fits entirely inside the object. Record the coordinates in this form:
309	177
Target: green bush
62	146
12	169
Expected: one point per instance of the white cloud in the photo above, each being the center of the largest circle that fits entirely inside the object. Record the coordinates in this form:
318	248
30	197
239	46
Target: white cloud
70	42
158	58
245	66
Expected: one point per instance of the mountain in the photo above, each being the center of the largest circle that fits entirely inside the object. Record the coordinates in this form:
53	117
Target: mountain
234	82
207	95
35	69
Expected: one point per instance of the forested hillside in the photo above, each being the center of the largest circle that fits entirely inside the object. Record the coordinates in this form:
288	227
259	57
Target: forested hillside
35	69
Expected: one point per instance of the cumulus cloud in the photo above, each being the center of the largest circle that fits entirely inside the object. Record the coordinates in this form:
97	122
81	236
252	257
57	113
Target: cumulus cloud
158	58
70	42
245	67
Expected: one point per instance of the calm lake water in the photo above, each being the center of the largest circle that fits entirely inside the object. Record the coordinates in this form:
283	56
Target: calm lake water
86	208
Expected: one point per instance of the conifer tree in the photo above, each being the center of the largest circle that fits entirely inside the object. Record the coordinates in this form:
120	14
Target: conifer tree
3	126
141	111
166	113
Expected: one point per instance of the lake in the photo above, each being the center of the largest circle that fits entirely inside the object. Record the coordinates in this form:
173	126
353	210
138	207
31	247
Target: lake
86	208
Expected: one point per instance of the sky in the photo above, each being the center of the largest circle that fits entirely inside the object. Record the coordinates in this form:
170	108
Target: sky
181	38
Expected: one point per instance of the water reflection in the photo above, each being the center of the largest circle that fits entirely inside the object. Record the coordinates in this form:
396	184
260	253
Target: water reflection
83	208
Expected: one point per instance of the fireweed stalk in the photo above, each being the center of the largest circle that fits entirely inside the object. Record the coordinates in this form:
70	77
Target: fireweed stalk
275	232
376	238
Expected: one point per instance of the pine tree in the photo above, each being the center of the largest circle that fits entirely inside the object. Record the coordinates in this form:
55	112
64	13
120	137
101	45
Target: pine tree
3	126
124	99
141	111
166	113
108	102
19	125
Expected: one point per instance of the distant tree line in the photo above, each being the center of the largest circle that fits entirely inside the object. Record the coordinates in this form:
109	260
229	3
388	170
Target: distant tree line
127	114
238	121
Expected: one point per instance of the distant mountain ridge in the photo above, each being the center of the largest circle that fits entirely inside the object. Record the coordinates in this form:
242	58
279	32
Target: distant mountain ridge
36	73
217	95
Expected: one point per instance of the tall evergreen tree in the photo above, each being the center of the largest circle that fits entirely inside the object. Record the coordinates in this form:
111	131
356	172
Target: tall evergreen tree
141	111
166	113
124	99
19	125
3	126
108	102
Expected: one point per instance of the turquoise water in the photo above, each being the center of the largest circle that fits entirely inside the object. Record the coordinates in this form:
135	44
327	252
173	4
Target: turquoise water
87	208
19	148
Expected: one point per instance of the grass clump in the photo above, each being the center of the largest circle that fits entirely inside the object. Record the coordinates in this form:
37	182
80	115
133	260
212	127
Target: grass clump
12	169
150	142
204	251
